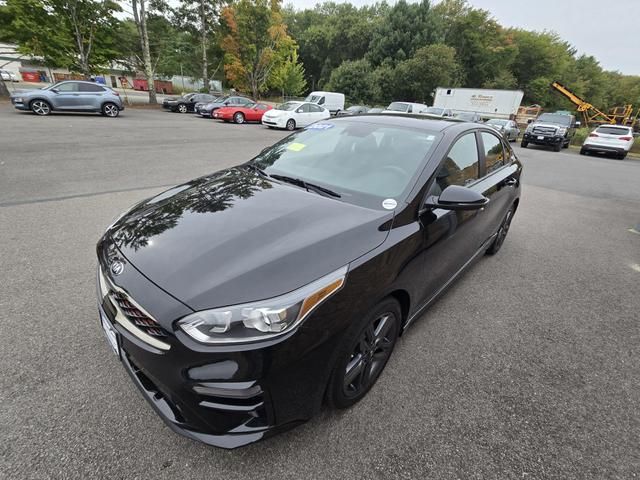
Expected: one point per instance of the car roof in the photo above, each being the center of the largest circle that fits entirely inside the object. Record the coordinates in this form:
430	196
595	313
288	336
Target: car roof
422	122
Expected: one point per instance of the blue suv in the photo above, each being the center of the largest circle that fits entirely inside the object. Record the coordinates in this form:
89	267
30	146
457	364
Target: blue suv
70	96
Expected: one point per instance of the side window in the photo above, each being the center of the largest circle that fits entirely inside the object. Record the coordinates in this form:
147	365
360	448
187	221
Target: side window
89	87
493	152
461	165
67	87
321	101
315	108
305	108
261	106
410	109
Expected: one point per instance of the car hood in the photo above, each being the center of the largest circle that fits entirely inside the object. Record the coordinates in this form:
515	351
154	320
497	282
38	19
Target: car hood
548	125
274	113
235	237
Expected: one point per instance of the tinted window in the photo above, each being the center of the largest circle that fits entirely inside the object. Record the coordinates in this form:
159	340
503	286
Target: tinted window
90	87
321	101
315	108
67	87
556	118
493	152
365	162
613	131
461	164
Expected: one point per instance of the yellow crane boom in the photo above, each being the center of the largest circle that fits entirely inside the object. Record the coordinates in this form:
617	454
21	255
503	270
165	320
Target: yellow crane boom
590	113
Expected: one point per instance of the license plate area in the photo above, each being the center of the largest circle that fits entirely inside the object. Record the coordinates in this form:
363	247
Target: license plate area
111	334
540	137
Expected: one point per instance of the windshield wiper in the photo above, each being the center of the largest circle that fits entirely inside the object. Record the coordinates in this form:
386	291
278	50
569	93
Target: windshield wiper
308	186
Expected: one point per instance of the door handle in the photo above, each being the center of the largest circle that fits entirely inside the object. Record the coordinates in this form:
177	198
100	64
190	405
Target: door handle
510	182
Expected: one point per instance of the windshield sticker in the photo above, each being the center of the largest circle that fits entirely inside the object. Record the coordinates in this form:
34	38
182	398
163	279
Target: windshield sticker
295	147
320	126
389	204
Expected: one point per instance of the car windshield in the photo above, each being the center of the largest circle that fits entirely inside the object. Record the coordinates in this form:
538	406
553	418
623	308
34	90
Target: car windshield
313	98
555	118
497	122
288	106
434	111
398	107
365	163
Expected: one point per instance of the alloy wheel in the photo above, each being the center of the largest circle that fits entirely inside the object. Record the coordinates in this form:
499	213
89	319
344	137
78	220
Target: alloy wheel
182	108
370	354
291	124
110	110
238	117
502	231
40	107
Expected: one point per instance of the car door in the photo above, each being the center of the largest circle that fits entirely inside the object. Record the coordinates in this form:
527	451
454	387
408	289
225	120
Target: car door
255	114
90	96
66	96
449	242
317	113
303	115
500	176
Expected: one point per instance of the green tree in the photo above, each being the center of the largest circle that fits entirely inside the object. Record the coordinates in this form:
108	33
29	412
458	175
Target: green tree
353	78
289	78
430	67
255	44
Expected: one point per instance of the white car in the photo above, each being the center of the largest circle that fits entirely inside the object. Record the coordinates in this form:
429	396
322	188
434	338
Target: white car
292	115
405	107
612	139
8	76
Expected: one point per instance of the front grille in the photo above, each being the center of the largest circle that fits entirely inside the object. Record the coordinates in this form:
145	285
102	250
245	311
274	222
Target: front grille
140	319
544	130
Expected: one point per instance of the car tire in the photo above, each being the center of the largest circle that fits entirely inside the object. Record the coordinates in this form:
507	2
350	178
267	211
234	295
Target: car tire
110	109
524	144
212	112
557	148
622	156
40	107
503	230
583	151
238	117
363	354
566	145
182	108
291	124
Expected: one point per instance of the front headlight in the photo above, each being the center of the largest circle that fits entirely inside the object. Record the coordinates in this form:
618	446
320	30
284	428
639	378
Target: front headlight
19	100
263	319
529	128
562	131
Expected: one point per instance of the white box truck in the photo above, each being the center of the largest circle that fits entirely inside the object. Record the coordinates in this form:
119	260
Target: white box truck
488	103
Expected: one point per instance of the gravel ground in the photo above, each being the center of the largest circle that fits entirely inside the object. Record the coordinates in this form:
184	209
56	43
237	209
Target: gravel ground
527	368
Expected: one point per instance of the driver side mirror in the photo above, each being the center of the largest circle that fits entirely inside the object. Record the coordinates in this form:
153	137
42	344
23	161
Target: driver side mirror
299	110
455	197
226	103
54	90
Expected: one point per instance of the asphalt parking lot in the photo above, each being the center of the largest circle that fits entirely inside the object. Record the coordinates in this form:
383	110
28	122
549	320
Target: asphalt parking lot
527	368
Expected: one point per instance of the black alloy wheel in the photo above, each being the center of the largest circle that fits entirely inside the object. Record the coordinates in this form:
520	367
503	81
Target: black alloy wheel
502	232
364	354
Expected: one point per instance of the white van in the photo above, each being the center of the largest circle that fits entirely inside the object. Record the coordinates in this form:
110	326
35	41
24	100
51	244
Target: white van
332	101
405	107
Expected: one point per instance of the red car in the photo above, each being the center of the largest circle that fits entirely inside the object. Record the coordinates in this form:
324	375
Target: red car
249	113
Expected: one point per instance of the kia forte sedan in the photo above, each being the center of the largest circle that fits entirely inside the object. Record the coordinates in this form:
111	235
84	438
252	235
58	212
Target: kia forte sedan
241	301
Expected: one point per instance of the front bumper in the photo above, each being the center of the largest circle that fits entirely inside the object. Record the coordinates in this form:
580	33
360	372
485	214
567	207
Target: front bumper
20	105
274	122
204	113
223	396
543	139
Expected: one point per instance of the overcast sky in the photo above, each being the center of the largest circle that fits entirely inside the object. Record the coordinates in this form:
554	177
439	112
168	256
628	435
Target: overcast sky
607	29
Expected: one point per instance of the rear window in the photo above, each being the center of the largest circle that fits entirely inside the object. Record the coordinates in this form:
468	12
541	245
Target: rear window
613	130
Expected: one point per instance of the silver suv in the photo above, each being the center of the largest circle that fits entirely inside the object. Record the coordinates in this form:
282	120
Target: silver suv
70	96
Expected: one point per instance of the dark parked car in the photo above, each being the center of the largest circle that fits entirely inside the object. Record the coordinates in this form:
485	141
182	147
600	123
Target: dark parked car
553	129
70	96
228	101
187	102
353	110
241	300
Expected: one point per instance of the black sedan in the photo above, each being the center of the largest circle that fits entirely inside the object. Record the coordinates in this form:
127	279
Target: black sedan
187	102
240	301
